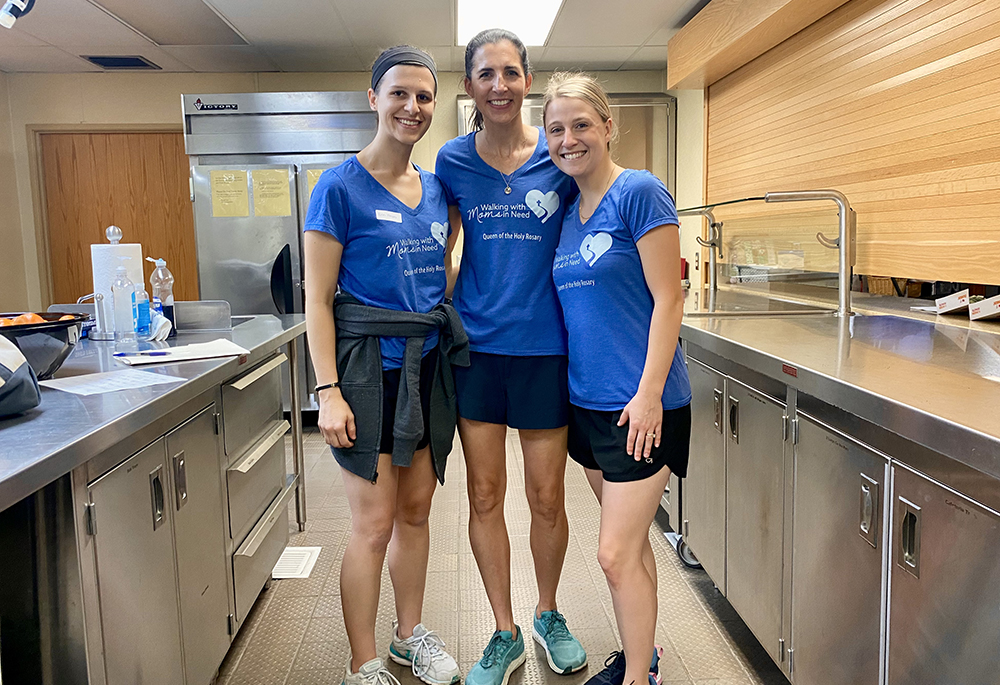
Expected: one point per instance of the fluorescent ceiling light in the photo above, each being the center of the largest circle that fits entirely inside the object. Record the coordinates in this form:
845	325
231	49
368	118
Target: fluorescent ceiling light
530	20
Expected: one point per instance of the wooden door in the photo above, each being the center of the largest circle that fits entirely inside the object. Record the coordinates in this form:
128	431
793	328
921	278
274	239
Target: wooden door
136	181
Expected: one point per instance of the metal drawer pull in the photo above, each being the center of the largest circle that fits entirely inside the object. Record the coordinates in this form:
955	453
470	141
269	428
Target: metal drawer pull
909	538
734	419
156	495
869	511
266	523
261	449
259	372
718	409
180	479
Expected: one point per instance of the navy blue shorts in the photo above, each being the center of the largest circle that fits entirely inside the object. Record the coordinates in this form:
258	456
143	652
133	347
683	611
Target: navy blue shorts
530	393
596	441
390	393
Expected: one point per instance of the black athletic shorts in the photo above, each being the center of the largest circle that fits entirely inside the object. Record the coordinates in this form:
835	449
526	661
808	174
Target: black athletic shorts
390	391
520	392
596	441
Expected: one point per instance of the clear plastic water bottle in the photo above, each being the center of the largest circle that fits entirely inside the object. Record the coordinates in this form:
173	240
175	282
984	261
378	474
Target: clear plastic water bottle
123	296
141	312
161	282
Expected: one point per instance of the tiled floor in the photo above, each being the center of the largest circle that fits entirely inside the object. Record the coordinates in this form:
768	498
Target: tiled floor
294	635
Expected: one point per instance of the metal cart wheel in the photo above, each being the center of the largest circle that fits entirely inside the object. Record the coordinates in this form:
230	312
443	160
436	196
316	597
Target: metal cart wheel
686	556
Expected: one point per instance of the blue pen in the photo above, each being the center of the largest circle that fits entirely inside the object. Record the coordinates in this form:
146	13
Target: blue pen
151	353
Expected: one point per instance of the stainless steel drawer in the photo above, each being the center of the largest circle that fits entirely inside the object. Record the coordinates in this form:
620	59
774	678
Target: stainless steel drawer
255	479
255	558
250	403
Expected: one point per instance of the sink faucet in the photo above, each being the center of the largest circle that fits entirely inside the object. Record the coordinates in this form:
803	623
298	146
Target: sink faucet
714	242
846	238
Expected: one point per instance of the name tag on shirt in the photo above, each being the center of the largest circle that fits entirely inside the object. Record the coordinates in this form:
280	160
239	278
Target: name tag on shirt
386	215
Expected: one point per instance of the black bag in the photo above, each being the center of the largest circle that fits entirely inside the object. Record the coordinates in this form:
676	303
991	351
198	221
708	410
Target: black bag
18	384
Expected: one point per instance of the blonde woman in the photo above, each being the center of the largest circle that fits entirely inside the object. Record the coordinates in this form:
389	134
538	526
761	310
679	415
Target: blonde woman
617	273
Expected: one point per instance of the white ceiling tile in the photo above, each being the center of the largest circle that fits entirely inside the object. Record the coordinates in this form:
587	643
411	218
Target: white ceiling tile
155	55
385	23
266	23
649	57
662	35
587	58
316	59
41	58
17	37
76	22
173	22
595	23
221	58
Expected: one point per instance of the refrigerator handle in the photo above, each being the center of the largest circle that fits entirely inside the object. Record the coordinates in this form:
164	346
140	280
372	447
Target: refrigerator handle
281	281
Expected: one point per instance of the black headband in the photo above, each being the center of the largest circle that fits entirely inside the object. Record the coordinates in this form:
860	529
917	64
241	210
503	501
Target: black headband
401	55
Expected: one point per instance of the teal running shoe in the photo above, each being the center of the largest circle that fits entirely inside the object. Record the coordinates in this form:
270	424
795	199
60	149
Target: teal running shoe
501	657
564	652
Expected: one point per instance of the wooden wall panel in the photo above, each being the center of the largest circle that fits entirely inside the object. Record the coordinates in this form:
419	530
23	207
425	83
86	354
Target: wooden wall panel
896	103
137	181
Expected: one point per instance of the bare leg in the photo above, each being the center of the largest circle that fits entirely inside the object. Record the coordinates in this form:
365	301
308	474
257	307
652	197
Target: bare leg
485	450
372	512
544	482
596	480
627	510
410	543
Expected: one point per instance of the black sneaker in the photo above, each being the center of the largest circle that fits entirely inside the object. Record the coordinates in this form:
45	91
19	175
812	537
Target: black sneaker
614	669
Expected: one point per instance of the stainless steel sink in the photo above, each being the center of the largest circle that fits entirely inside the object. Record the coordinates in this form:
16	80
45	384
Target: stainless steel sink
237	320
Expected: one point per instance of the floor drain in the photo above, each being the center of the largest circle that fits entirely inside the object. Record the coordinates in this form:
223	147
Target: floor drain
296	562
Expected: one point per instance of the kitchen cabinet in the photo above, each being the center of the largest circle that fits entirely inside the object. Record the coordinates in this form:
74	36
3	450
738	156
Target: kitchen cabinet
755	455
704	496
837	557
943	615
161	559
194	456
133	539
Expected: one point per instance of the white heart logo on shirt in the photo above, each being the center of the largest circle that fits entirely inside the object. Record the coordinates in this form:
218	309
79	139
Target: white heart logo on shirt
593	246
440	232
544	205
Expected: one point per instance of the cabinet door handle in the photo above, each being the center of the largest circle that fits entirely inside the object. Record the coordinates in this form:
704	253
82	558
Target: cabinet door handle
156	495
258	373
909	538
734	419
869	511
180	479
262	447
718	409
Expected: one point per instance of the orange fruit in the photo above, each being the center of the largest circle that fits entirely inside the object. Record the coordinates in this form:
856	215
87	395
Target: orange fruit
6	322
28	317
66	317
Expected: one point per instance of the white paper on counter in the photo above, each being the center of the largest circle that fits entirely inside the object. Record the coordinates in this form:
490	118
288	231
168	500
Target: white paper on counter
183	353
109	381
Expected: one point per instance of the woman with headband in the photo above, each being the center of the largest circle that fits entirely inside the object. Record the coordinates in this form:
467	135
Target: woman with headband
503	188
382	344
617	271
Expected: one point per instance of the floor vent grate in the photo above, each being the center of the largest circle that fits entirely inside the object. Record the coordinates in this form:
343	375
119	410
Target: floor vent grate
296	562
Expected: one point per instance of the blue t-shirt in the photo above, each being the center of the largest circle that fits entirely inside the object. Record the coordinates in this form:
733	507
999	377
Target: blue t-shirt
504	291
393	254
605	300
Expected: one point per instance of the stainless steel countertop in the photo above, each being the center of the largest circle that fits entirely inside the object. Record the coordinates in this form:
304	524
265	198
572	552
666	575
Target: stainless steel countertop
68	430
932	381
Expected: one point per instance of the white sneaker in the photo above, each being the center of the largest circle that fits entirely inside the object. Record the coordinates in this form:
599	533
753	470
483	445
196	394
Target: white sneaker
424	653
371	672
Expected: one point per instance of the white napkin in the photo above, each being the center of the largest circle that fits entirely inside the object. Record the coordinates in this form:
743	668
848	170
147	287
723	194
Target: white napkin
159	327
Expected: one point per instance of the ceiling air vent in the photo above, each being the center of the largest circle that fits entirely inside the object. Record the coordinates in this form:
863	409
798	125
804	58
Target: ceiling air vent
118	62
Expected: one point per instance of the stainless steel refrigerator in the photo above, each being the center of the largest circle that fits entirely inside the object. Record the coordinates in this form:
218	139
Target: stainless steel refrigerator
255	158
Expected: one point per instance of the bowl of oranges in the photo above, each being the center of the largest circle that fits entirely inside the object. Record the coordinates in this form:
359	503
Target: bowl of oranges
45	340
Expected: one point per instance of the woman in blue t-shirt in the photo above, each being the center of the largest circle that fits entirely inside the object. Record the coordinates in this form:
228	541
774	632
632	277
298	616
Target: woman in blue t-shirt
376	229
509	197
617	272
